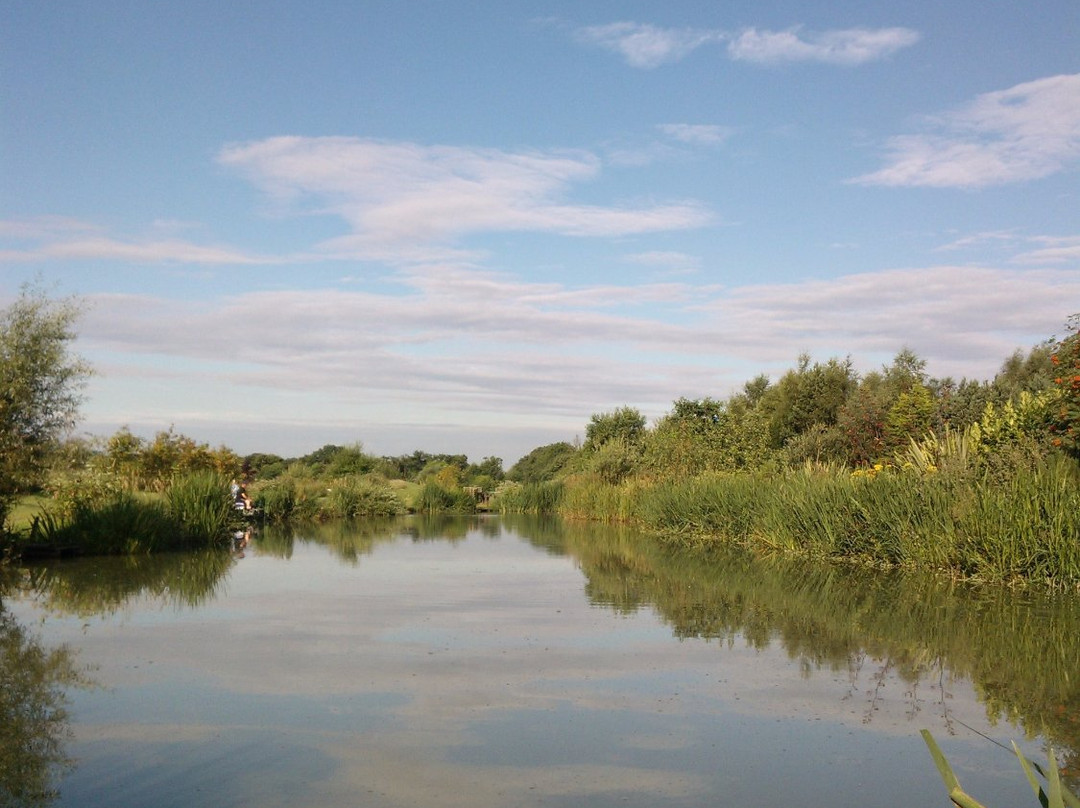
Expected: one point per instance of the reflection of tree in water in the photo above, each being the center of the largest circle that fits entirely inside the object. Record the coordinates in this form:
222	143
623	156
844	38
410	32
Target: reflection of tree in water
33	720
1018	650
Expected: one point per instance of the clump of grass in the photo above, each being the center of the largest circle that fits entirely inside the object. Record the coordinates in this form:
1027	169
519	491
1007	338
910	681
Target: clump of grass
123	525
277	500
588	496
435	498
534	498
202	506
355	497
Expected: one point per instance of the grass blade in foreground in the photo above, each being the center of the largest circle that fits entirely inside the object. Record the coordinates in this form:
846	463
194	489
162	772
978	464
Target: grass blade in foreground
1054	796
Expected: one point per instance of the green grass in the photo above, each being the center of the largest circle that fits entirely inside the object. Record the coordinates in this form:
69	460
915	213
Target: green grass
24	510
434	498
1025	528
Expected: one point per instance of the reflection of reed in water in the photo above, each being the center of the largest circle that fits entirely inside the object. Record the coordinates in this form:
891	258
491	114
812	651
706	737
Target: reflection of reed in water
1019	649
94	586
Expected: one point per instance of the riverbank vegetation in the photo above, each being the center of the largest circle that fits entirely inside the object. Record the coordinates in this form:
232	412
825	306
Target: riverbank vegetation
890	468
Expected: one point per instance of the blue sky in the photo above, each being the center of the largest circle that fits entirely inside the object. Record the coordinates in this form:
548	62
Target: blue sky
468	226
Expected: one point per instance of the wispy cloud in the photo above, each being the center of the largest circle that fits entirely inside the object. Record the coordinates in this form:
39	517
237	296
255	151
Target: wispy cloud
101	248
648	46
1055	250
1022	133
400	194
852	46
461	342
671	262
697	134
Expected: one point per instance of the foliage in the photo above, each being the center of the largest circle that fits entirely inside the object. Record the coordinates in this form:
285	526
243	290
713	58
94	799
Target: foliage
435	498
542	464
277	500
82	487
1065	418
124	524
1024	528
351	497
40	382
534	497
807	395
912	414
625	423
202	505
151	465
707	435
615	459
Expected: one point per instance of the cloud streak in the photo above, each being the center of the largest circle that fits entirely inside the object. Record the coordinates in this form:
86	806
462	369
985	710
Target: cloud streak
395	195
1026	132
648	46
848	47
464	344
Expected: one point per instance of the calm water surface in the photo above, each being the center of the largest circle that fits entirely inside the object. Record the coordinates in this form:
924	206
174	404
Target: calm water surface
521	663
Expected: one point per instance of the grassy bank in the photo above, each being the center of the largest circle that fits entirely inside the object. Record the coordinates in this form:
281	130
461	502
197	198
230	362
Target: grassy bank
1024	527
194	512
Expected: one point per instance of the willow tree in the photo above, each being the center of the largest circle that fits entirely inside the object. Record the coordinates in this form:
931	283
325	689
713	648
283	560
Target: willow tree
41	383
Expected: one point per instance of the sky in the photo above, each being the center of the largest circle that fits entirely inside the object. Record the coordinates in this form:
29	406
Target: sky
467	227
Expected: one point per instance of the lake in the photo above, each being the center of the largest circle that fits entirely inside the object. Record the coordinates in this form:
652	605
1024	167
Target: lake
522	662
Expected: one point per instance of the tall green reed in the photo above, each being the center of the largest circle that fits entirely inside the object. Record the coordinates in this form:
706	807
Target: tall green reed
202	505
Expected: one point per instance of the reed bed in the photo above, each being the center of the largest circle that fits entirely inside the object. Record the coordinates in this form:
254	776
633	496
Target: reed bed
530	498
123	525
434	498
589	497
1024	528
353	497
202	507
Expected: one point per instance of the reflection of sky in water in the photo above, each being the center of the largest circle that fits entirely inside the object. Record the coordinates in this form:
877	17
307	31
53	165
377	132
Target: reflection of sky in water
478	674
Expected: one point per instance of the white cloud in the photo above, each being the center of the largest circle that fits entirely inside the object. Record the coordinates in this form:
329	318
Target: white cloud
57	238
1023	133
398	195
165	251
1061	250
672	262
852	46
698	134
475	348
647	46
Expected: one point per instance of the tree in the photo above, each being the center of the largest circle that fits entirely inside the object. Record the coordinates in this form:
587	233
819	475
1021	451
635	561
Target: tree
1065	426
807	395
40	386
701	435
543	463
625	423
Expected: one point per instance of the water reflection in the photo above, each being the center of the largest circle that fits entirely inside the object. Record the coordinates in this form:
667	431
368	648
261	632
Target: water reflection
1021	650
33	718
90	587
459	661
